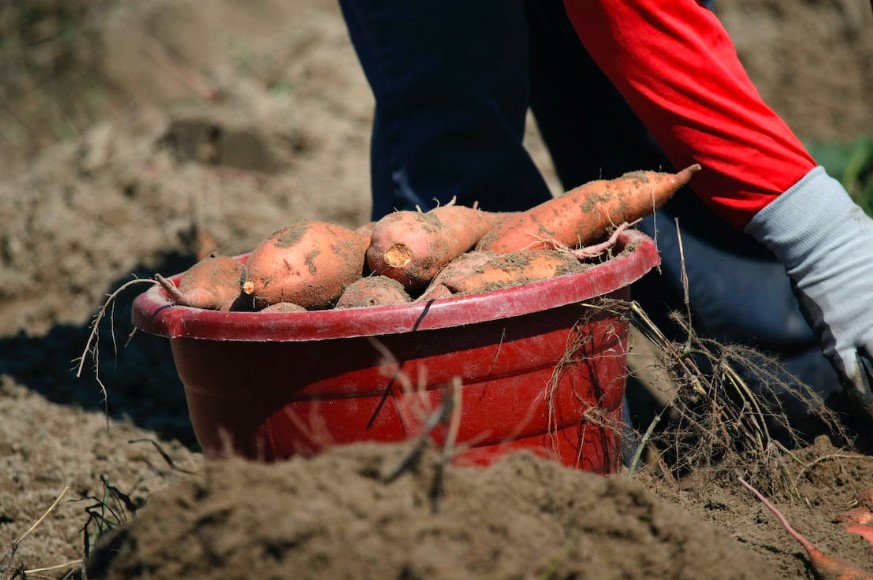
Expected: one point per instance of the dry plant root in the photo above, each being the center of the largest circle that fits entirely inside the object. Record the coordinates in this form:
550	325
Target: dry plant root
715	421
412	247
583	214
826	567
92	345
595	250
308	263
9	556
213	283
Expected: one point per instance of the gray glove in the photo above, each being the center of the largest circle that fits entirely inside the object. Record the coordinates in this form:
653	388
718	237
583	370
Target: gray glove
825	242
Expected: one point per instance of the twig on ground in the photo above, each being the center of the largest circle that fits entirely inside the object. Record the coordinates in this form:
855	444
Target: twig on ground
16	543
812	464
164	455
42	518
55	567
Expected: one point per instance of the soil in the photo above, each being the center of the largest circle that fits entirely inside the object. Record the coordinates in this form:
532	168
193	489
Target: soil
127	130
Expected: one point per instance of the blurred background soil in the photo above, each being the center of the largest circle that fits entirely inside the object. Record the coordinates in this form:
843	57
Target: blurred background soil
128	127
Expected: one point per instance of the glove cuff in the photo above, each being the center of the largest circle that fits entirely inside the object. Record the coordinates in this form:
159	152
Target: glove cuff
806	219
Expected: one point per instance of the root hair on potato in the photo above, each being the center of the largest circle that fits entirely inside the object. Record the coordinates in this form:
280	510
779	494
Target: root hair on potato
92	344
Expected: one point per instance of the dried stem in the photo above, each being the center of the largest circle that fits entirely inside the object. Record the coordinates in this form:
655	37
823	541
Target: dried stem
50	509
55	567
642	445
14	548
716	418
454	425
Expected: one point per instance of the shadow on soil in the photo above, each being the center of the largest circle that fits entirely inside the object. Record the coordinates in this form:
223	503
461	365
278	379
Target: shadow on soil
140	377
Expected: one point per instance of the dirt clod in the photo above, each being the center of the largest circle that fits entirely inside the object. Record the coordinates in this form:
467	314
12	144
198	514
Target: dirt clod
333	516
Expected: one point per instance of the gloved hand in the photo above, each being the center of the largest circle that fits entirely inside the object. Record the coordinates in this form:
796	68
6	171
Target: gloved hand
825	242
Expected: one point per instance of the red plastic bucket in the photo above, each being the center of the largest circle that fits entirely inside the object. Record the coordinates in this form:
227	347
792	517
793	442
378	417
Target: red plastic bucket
538	368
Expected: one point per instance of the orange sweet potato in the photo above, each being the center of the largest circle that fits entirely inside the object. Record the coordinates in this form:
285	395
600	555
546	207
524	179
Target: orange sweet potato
373	291
283	307
308	263
366	230
584	213
477	271
826	567
213	283
411	247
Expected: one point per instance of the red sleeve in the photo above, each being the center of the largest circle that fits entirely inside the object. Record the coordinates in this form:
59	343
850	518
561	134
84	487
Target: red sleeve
677	68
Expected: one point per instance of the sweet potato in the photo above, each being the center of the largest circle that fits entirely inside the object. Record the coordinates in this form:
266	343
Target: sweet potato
826	567
477	271
373	291
366	230
859	520
213	283
411	247
283	307
584	213
863	530
308	263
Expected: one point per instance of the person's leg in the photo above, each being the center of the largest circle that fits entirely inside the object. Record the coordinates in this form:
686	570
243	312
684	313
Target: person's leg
590	131
450	79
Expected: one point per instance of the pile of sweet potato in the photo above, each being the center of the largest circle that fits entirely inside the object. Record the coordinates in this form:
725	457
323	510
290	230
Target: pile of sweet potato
413	255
